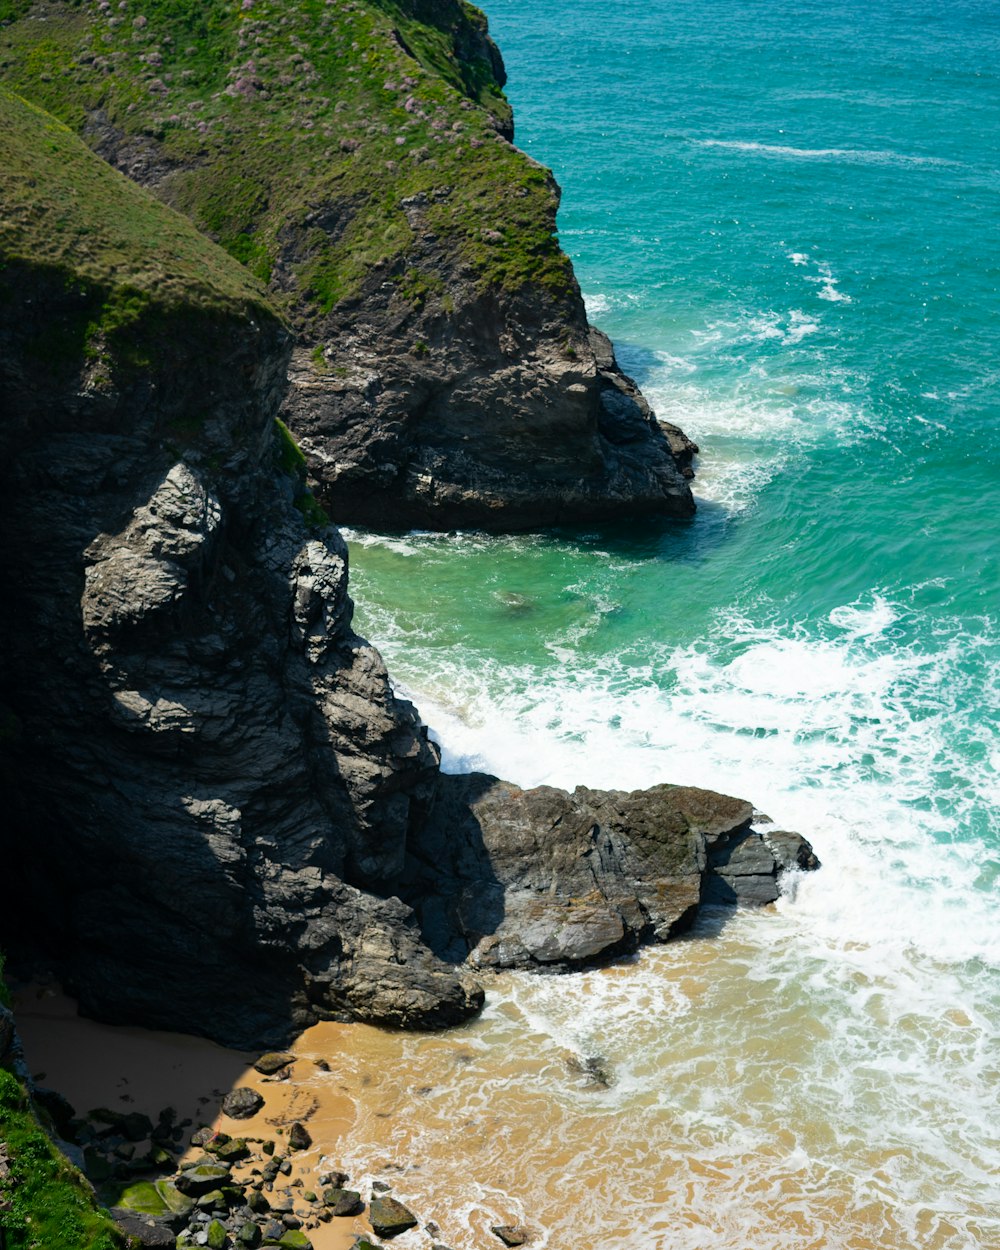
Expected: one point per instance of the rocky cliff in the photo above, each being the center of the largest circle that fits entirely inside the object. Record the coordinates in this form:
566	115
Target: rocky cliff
220	818
358	159
201	752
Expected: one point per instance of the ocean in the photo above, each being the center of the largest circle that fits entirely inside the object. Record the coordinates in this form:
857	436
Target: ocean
787	218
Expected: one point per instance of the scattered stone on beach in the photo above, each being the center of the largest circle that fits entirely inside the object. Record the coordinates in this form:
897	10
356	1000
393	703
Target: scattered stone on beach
273	1062
295	1239
242	1103
298	1137
202	1179
217	1238
595	1067
202	1136
343	1201
132	1125
143	1231
511	1234
388	1217
232	1150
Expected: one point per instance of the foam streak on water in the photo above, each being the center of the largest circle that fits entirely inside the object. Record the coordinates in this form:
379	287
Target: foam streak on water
784	217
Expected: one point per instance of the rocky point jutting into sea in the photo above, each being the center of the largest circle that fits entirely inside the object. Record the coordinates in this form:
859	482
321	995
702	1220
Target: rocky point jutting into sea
359	160
220	817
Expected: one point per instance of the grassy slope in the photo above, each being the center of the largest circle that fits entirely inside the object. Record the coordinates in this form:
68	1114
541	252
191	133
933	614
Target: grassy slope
123	256
45	1203
277	108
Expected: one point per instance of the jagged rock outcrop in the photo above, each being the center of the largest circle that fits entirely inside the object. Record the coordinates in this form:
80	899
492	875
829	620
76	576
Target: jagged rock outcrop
207	765
358	159
219	817
512	878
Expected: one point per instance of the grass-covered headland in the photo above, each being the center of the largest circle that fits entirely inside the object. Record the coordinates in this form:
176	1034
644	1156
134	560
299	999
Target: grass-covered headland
294	132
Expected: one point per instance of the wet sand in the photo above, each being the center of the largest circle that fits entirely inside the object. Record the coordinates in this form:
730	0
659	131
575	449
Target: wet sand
728	1091
128	1069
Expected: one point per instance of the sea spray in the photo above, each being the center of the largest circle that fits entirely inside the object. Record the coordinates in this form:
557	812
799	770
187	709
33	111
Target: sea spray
782	218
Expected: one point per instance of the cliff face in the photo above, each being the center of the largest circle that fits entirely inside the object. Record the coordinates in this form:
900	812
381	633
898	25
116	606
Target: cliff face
202	753
357	158
219	818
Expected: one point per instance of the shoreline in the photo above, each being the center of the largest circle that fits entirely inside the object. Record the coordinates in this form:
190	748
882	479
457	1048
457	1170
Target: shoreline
133	1070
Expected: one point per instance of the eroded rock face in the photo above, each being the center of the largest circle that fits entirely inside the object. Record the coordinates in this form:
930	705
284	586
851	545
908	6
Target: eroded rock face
219	818
208	769
445	373
513	414
511	878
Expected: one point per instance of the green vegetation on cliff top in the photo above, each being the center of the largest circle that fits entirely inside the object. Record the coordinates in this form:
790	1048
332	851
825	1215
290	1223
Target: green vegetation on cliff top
124	265
63	208
293	131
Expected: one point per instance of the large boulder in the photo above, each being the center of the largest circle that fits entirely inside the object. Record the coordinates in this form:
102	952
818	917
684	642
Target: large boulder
526	878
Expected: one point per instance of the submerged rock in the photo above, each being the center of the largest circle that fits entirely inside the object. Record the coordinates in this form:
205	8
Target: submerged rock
596	1068
511	1234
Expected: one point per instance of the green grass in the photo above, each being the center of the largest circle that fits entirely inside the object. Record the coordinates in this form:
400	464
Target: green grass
47	1204
290	459
289	453
63	208
121	276
286	108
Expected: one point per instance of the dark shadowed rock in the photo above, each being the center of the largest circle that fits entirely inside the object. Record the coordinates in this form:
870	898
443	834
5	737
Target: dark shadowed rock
242	1103
132	1125
298	1137
143	1230
273	1062
226	769
7	1034
245	829
60	1111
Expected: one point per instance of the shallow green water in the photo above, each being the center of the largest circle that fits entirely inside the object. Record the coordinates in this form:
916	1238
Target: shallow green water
787	217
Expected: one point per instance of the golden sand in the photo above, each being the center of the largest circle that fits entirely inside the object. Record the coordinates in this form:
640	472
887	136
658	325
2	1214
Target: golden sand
724	1126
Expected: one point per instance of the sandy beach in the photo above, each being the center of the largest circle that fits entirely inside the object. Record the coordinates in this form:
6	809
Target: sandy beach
129	1069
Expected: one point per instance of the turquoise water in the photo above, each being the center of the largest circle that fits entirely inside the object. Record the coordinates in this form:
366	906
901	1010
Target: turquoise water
786	216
